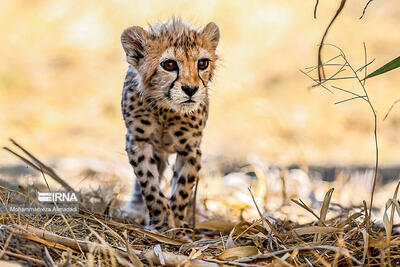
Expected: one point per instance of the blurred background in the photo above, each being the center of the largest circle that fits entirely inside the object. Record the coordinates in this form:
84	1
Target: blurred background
62	68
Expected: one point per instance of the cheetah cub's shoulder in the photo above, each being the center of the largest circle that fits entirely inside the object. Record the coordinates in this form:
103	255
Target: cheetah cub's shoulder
165	108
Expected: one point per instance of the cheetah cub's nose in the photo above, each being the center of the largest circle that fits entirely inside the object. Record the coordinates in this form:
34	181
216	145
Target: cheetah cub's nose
190	91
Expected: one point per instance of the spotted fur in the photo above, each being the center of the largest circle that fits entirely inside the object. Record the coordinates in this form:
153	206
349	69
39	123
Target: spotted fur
160	115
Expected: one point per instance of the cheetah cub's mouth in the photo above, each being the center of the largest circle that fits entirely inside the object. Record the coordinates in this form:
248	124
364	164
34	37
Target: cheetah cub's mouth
175	61
187	106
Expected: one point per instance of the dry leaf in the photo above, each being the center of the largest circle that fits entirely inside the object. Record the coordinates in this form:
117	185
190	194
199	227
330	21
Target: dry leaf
238	252
216	225
158	252
307	230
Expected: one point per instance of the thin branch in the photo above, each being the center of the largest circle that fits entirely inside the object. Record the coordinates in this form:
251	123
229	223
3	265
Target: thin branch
255	203
324	64
304	206
339	78
332	76
365	64
320	83
365	97
38	165
390	109
375	130
310	69
339	250
263	220
365	9
349	99
344	90
323	86
321	71
194	210
315	8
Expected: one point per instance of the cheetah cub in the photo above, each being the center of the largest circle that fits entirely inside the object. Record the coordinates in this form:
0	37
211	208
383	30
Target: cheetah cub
165	108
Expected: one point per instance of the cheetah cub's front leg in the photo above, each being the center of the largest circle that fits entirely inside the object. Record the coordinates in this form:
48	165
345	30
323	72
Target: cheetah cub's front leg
186	172
141	157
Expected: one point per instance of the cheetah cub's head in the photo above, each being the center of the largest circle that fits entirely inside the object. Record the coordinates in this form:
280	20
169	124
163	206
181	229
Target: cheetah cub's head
175	61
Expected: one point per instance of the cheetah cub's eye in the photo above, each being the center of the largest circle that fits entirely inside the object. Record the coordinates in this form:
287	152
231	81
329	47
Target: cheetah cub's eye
202	64
169	65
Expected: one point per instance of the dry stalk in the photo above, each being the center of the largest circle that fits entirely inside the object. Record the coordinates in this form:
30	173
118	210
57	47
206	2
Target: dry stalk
315	8
324	213
341	251
48	259
263	219
173	260
365	8
194	209
390	109
5	245
51	237
355	96
321	71
38	165
24	257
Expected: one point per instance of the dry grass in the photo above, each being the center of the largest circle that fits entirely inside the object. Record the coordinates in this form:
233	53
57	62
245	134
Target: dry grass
98	236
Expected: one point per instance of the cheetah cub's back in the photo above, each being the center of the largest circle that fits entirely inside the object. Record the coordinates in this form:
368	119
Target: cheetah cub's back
165	108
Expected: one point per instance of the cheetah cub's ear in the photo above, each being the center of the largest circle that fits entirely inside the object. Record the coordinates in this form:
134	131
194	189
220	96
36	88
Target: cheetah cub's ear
134	41
211	33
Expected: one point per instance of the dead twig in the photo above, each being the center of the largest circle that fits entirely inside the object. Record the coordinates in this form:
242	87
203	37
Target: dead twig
26	258
48	260
315	8
171	259
194	209
321	71
365	9
390	109
38	165
365	97
339	250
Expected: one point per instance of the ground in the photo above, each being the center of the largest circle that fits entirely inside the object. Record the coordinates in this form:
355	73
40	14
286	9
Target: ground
266	215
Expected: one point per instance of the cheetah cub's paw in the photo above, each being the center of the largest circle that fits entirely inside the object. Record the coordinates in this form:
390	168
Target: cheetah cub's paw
136	212
184	233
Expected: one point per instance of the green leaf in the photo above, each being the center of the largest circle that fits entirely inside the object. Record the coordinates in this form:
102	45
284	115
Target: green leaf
395	63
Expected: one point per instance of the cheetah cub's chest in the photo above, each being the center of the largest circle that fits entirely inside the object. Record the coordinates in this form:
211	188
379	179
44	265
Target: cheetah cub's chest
165	129
180	133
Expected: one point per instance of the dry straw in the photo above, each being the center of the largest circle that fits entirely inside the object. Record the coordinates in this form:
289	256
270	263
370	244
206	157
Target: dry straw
94	238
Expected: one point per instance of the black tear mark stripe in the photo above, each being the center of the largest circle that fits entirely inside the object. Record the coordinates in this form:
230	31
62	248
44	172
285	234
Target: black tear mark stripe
172	84
201	79
177	77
